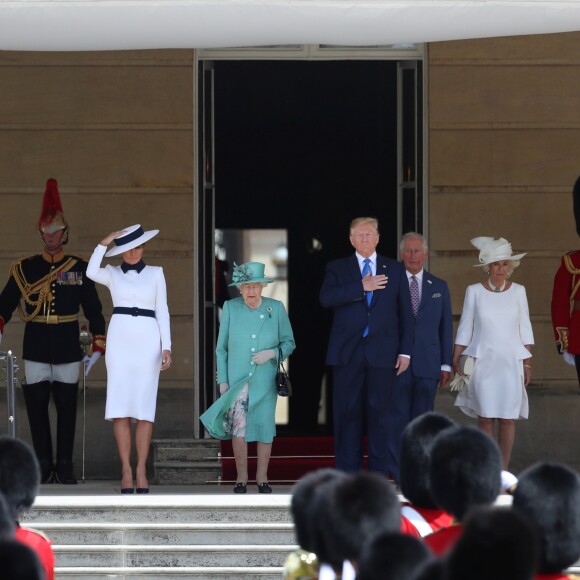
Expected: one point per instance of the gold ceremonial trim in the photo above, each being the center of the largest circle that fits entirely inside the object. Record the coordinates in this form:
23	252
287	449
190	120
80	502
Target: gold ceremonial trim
562	341
99	342
55	318
575	272
40	287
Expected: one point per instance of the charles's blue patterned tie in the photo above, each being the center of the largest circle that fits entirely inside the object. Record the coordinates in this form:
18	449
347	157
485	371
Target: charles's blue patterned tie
366	271
415	299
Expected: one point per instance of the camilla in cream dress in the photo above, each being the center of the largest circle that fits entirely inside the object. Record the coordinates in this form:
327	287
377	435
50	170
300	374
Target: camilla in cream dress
495	330
494	327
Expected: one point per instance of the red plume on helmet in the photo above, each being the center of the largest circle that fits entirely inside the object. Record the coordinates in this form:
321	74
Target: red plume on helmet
51	218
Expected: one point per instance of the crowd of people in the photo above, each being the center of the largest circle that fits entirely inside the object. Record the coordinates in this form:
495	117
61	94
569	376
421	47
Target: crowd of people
450	525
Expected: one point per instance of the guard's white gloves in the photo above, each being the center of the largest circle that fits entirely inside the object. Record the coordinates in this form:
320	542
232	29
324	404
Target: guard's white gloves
90	361
569	358
263	356
224	388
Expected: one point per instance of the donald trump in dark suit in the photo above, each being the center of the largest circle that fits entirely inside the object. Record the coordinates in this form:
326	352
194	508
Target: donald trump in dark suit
370	343
432	353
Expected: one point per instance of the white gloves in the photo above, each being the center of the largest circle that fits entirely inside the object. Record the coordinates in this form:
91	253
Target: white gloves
569	359
263	356
90	361
224	388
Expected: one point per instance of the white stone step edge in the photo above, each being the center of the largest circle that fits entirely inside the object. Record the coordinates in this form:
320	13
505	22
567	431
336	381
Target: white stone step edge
225	501
234	571
115	526
287	548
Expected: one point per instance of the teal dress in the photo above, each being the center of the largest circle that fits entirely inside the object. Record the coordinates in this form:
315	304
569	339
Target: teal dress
243	332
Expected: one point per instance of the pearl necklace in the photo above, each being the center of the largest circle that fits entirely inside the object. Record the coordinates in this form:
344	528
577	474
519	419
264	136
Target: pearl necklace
496	288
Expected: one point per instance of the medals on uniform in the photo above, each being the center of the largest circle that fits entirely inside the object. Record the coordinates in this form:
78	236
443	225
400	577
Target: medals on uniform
69	278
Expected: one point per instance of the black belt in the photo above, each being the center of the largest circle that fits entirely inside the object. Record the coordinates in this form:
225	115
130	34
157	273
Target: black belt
134	311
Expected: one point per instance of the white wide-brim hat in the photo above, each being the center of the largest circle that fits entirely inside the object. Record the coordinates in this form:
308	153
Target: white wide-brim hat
130	238
492	250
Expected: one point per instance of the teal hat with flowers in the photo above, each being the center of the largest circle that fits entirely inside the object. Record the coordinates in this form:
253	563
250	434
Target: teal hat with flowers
249	273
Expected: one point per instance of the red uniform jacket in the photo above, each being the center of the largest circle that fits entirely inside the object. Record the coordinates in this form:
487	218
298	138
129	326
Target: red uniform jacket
433	518
442	541
565	319
41	546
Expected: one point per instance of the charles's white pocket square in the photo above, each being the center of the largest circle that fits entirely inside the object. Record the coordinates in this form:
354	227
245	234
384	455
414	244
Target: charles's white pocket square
436	295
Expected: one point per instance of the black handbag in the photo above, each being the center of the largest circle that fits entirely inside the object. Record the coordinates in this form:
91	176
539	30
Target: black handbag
283	385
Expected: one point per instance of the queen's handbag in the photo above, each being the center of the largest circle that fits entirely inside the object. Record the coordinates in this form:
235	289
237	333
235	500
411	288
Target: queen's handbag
283	385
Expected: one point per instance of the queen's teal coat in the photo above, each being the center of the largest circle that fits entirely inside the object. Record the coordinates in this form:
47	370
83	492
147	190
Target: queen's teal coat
243	332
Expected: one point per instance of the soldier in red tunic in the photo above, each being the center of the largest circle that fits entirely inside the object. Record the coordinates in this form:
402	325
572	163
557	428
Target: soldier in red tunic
566	298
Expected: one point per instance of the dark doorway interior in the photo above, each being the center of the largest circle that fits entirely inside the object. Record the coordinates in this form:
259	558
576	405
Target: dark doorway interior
307	146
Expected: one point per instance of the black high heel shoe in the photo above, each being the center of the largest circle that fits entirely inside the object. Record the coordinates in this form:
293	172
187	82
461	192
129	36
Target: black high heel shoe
127	490
142	490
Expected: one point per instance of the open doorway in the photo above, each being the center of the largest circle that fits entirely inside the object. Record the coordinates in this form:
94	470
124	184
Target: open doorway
306	146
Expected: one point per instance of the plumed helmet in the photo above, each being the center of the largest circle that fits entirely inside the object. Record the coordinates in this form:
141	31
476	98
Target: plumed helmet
19	474
549	494
465	470
51	217
416	446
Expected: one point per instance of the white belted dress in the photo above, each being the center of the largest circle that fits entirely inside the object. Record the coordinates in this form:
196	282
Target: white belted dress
134	343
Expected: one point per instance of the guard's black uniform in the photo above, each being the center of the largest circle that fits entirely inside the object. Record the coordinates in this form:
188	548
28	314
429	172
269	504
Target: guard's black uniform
49	291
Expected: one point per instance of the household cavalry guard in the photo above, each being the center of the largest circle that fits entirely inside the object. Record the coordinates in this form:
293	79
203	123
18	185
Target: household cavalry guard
566	298
48	289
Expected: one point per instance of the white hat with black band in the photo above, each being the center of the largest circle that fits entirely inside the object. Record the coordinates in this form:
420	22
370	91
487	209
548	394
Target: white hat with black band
130	238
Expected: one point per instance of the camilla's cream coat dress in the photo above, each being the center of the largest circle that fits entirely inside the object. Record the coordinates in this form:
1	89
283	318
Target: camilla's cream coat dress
494	327
134	343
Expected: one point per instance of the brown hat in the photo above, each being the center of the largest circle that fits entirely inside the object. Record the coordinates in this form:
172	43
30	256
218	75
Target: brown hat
51	218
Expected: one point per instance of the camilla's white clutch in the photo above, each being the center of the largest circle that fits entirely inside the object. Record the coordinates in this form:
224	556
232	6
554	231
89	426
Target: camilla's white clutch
460	381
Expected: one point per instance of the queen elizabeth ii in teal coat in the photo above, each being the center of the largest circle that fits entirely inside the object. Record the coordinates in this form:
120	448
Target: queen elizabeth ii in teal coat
252	329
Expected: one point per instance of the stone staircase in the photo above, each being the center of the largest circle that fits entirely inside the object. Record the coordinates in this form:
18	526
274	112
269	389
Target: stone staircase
186	461
202	536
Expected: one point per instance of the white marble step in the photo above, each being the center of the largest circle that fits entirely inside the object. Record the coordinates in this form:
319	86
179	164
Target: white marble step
165	556
224	508
224	573
167	534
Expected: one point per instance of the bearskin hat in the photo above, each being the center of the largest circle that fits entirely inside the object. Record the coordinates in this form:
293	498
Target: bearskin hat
19	562
549	494
392	556
360	506
576	204
496	543
319	506
7	525
416	446
51	217
19	474
465	470
301	502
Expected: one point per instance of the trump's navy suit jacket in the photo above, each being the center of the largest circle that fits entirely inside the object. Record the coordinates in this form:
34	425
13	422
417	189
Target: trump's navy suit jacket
389	317
433	345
